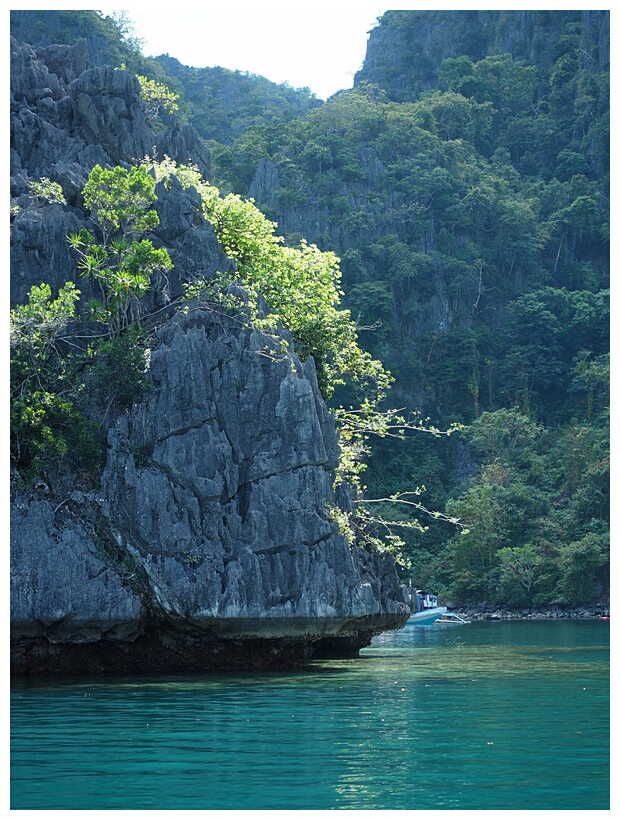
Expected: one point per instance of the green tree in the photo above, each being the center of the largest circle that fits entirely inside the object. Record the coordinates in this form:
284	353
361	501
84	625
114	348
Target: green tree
122	263
301	285
519	568
474	551
591	383
47	192
584	567
156	97
505	435
46	415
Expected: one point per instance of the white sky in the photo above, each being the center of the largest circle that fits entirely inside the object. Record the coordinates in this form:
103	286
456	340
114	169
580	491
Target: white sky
319	45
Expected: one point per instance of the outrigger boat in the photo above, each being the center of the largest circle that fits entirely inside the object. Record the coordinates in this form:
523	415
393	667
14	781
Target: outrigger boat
452	618
427	616
426	610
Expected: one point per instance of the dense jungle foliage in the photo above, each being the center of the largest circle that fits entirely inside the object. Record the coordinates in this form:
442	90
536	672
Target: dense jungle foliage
471	218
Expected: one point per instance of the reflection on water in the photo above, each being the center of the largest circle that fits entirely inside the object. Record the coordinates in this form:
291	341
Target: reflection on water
480	716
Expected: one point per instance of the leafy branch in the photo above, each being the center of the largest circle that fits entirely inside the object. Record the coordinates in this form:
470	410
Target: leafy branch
399	498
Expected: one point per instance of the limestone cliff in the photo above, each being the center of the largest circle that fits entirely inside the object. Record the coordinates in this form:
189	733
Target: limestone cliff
207	542
405	51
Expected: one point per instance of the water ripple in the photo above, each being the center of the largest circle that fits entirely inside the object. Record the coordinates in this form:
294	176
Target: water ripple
419	721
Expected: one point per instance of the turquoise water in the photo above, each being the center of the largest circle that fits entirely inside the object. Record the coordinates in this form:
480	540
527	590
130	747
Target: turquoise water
507	715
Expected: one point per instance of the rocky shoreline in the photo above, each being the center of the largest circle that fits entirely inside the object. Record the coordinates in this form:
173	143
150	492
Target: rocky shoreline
488	612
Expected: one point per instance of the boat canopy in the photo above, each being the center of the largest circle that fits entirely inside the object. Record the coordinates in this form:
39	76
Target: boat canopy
425	600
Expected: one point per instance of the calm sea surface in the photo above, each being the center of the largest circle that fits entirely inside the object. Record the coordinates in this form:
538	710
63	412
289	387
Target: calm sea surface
487	715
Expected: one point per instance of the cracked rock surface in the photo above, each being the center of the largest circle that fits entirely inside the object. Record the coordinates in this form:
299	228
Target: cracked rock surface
211	524
227	513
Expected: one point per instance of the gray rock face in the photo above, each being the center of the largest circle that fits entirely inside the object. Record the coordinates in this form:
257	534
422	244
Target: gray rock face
61	586
307	218
211	527
226	509
39	250
207	542
65	119
405	51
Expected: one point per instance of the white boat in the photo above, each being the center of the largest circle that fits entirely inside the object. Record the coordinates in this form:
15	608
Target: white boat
427	616
426	609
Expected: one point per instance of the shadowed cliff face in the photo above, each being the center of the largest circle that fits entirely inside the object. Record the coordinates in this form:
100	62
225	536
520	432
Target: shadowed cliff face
207	542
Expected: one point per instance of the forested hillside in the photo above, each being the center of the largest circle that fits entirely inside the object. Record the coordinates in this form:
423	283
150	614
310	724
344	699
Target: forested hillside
464	184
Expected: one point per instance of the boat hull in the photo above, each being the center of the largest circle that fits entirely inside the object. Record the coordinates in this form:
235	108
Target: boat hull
427	616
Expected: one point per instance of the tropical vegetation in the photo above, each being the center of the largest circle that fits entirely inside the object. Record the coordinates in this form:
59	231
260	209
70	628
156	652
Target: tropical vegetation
455	229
